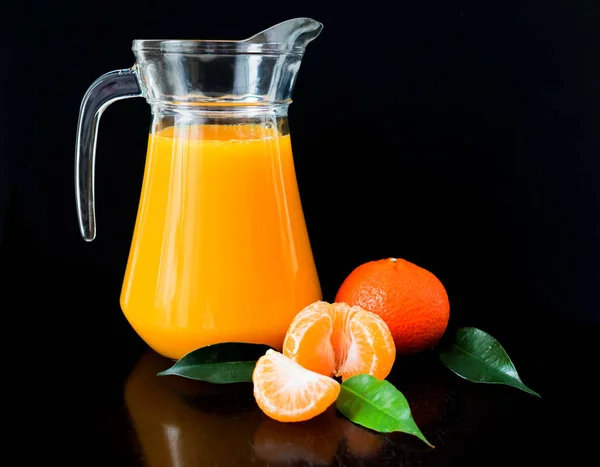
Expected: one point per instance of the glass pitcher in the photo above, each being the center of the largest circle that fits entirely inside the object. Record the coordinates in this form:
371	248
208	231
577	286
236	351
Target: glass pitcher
220	250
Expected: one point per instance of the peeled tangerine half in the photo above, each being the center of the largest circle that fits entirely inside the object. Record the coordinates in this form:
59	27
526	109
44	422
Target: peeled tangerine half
287	392
336	339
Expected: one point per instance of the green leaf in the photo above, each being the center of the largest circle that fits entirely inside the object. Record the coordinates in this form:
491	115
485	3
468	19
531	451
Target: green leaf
230	362
476	356
377	405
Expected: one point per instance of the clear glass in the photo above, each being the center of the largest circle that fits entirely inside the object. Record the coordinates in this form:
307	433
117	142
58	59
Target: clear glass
220	249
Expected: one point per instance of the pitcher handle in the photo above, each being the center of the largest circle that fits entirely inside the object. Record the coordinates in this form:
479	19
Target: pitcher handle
108	88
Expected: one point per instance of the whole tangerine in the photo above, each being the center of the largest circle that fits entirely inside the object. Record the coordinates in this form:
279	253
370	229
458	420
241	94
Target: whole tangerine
411	300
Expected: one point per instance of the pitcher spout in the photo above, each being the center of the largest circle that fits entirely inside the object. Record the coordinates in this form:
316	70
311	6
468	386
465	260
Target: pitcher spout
261	69
292	35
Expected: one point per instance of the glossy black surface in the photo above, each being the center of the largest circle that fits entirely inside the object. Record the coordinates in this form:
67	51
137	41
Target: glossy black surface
461	135
83	391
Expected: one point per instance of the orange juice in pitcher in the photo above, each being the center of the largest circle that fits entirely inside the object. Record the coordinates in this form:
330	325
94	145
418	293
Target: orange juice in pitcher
220	251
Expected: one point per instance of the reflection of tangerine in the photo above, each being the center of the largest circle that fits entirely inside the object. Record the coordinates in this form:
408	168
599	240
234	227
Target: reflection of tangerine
335	339
314	442
360	441
410	299
173	433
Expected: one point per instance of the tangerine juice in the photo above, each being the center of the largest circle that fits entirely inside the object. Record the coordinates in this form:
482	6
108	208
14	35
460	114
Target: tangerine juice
220	251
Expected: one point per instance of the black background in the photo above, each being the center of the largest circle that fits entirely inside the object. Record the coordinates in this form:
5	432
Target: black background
460	135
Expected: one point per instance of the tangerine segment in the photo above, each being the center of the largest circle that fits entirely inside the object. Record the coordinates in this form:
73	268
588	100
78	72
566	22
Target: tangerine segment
287	392
337	339
341	340
372	350
308	340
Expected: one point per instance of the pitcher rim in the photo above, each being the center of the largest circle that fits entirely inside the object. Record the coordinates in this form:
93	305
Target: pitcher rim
227	47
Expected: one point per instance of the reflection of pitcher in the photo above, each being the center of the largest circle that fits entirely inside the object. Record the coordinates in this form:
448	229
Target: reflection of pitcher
181	422
220	249
172	432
